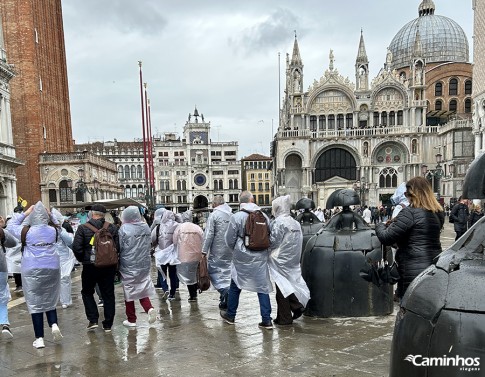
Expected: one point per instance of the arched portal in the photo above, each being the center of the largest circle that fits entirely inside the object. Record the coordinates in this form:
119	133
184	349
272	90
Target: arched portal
200	202
293	176
335	162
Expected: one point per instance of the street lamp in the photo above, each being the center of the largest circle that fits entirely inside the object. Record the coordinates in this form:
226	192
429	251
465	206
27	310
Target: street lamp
361	187
434	175
81	187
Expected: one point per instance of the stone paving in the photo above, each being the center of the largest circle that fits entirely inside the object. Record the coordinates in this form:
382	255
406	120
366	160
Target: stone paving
190	339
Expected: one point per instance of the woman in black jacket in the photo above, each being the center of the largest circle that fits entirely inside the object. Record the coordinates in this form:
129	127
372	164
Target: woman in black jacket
416	231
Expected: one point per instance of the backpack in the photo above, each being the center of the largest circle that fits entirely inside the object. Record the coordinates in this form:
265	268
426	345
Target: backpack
203	280
105	253
256	231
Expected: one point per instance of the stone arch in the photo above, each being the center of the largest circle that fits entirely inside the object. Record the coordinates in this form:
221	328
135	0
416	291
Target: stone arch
200	201
346	91
390	153
388	86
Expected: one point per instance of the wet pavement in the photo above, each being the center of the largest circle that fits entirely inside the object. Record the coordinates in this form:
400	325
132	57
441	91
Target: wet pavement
190	339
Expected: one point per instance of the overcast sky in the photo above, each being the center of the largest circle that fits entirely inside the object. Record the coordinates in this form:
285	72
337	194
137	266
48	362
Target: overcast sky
219	55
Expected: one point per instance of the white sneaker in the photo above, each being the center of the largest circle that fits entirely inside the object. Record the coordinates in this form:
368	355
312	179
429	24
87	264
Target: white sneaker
128	323
6	333
152	315
64	306
56	333
39	343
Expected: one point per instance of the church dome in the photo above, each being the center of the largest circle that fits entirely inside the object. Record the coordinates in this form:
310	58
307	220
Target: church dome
442	39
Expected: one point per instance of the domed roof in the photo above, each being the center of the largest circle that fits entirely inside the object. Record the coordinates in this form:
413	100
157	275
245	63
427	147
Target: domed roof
442	39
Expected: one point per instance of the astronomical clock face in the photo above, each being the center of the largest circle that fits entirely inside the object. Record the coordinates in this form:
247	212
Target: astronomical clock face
200	179
198	137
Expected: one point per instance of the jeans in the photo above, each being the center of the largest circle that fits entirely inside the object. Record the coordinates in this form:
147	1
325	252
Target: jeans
4	314
223	294
38	321
172	274
104	277
233	303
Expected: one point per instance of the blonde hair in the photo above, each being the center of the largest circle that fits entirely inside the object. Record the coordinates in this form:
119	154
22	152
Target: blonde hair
420	195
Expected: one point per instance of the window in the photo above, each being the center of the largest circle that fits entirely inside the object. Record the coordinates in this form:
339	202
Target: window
313	123
266	186
252	186
266	175
218	172
233	172
52	196
392	118
340	121
251	176
260	186
133	172
331	122
260	199
236	184
229	153
438	105
260	176
468	105
127	172
140	172
322	121
384	118
453	87
399	117
120	172
350	120
231	184
438	89
388	178
453	105
266	199
376	119
468	87
216	184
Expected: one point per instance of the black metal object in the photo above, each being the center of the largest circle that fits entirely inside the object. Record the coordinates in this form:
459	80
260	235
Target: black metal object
310	223
442	314
331	265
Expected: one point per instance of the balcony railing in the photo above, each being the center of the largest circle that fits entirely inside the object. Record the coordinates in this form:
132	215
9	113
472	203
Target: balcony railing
357	132
79	157
455	124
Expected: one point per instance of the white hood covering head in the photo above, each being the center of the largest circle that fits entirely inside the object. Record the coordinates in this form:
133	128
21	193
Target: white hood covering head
131	215
187	216
398	197
56	214
282	206
38	216
158	213
224	208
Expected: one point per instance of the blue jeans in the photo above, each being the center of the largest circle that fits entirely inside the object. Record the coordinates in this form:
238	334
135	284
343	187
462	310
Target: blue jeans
4	314
233	303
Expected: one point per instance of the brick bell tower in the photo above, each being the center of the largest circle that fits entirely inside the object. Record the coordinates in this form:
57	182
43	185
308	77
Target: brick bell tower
41	118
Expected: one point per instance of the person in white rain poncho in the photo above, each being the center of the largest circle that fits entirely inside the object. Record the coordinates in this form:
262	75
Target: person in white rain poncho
135	263
187	240
14	260
7	240
286	238
67	259
41	277
161	281
220	255
165	255
249	269
399	200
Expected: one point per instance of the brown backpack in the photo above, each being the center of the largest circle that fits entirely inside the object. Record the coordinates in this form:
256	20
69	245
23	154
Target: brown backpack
256	231
203	279
105	253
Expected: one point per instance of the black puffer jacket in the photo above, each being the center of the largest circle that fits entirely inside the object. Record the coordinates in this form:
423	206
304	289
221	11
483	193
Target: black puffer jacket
81	245
416	232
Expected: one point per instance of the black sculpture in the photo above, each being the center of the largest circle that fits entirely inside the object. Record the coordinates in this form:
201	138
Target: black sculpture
332	261
442	314
310	224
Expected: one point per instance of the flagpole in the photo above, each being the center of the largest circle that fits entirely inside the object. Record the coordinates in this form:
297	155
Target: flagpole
144	137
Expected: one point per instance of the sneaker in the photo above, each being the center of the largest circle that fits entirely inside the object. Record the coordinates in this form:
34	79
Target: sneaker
100	303
158	287
107	329
193	299
165	295
266	325
171	298
128	323
92	326
152	315
39	343
226	318
64	306
56	333
6	333
18	289
222	305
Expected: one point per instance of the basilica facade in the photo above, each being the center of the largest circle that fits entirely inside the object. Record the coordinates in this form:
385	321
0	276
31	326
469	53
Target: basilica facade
413	118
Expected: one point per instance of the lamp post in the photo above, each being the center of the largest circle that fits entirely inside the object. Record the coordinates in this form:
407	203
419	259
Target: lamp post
362	187
81	186
434	175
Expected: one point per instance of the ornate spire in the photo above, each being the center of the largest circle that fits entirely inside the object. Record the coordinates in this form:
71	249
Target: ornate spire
418	47
426	8
362	54
295	58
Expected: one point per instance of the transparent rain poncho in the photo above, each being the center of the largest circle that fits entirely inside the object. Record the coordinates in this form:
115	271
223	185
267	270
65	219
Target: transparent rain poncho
187	239
219	254
156	217
284	262
66	258
399	199
165	252
10	242
14	255
135	258
40	261
249	269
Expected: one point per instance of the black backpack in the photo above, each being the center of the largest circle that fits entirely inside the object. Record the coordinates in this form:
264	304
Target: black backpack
256	231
